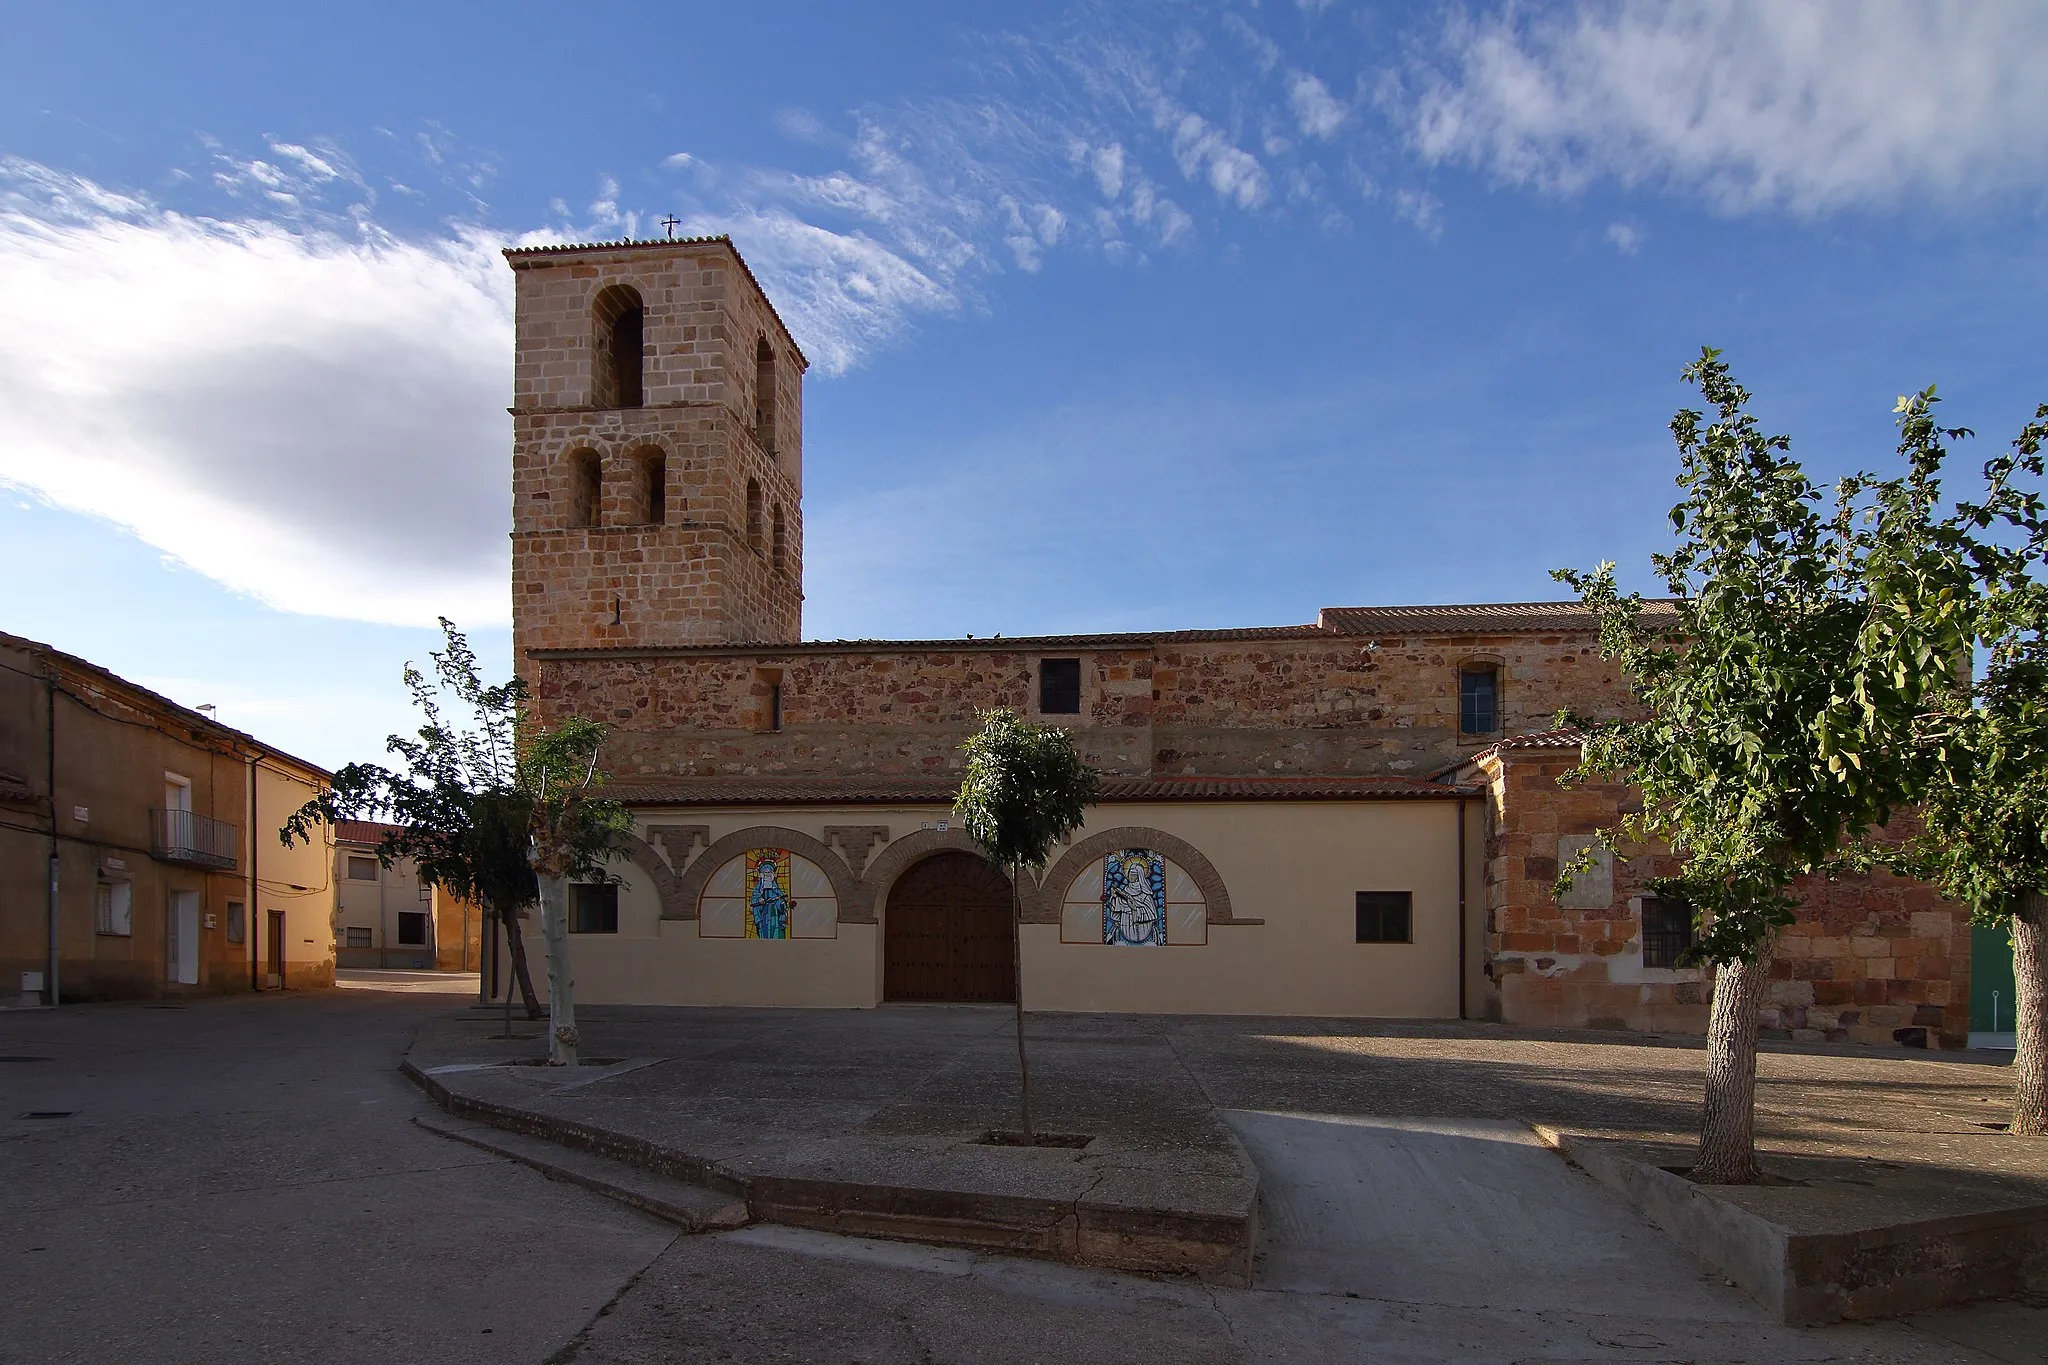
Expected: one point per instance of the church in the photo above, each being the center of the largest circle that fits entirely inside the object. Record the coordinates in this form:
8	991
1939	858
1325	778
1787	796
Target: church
1353	816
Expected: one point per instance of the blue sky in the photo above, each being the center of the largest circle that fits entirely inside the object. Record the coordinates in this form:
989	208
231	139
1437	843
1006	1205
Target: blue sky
1123	315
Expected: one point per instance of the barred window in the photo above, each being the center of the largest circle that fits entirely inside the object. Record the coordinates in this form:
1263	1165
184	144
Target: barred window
1059	687
1478	700
1667	931
115	908
355	938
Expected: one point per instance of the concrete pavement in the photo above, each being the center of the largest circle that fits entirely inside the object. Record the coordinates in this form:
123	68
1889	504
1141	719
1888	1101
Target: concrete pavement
240	1180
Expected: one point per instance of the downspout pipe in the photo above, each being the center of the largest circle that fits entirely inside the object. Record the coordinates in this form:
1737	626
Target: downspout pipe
56	865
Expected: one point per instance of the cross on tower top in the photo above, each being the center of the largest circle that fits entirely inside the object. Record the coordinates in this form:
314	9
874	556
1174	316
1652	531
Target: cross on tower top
671	223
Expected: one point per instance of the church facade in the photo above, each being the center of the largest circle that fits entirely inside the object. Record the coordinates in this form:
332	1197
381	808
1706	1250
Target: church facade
1355	816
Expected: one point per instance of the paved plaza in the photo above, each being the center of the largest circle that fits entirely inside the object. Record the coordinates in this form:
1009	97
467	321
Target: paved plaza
250	1173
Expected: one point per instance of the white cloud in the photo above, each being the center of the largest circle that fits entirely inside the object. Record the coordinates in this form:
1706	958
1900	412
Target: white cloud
1813	105
1202	151
1315	108
1626	237
313	419
1108	165
1421	209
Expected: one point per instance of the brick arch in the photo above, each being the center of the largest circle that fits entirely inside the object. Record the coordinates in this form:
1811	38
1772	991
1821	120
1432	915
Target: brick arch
690	886
1190	858
899	856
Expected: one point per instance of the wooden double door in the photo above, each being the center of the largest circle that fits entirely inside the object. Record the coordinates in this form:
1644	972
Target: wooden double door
946	933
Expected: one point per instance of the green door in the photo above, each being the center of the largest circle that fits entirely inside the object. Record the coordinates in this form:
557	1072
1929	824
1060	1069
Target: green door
1990	980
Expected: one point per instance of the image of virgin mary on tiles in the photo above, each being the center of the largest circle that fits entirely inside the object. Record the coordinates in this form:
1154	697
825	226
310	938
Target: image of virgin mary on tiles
1134	898
768	893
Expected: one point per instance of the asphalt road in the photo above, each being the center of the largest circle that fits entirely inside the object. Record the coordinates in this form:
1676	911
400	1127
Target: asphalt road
240	1180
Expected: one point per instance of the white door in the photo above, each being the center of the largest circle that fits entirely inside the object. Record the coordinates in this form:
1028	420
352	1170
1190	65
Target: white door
182	945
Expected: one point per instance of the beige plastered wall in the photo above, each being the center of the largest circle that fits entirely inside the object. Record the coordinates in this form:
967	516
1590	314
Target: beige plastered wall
298	880
1294	865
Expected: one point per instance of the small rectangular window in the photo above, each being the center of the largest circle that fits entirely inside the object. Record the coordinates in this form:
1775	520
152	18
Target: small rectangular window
775	706
594	909
356	938
1059	687
1385	916
361	869
1478	701
238	922
412	929
1667	931
115	904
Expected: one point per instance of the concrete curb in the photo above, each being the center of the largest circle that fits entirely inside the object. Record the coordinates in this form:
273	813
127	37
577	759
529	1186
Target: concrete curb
690	1207
1212	1247
1809	1279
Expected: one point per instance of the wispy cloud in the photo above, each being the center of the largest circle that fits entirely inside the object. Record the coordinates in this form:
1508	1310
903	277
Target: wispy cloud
312	416
1810	105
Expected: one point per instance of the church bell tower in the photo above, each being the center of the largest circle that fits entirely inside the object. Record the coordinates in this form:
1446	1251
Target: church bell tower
657	451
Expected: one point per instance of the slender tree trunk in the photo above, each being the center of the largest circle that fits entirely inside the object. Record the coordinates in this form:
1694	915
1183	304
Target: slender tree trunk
1017	966
554	927
2030	1016
515	948
1728	1128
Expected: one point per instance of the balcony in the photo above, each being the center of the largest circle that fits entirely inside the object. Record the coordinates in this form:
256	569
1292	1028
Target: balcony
181	836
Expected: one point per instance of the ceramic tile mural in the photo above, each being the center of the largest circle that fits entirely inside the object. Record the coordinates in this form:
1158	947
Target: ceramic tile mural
1135	897
768	893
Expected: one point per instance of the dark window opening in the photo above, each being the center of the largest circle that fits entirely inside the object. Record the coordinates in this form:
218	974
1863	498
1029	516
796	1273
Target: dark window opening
412	929
775	706
1478	701
1667	931
764	395
618	325
361	869
1386	916
1059	687
586	492
594	909
653	488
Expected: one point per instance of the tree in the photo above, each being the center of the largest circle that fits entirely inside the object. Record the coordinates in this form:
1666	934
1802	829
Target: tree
572	832
479	799
1026	789
1946	580
1754	763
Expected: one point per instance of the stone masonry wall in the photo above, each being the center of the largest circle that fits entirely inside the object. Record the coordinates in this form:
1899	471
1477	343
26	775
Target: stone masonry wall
1871	959
704	575
1319	705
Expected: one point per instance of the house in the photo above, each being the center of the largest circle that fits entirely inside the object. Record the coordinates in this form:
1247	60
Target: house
390	917
139	854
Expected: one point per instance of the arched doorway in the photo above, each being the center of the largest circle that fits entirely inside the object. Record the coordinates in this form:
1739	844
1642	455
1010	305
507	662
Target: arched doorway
946	933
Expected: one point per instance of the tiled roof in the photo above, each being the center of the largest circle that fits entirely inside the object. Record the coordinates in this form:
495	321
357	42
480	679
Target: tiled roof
939	791
1567	738
1473	617
362	831
716	239
1479	618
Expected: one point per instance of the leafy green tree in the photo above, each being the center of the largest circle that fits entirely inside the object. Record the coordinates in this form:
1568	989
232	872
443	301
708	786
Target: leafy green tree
1945	580
1754	763
1026	789
482	804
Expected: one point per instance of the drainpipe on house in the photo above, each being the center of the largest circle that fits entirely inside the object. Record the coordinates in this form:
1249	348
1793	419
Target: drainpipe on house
50	705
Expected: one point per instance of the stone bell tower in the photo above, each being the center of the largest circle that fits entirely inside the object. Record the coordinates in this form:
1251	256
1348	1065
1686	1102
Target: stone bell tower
657	451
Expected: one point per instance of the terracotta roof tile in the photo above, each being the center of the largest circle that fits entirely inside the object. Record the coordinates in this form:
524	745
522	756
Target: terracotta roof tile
362	831
926	791
1467	617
